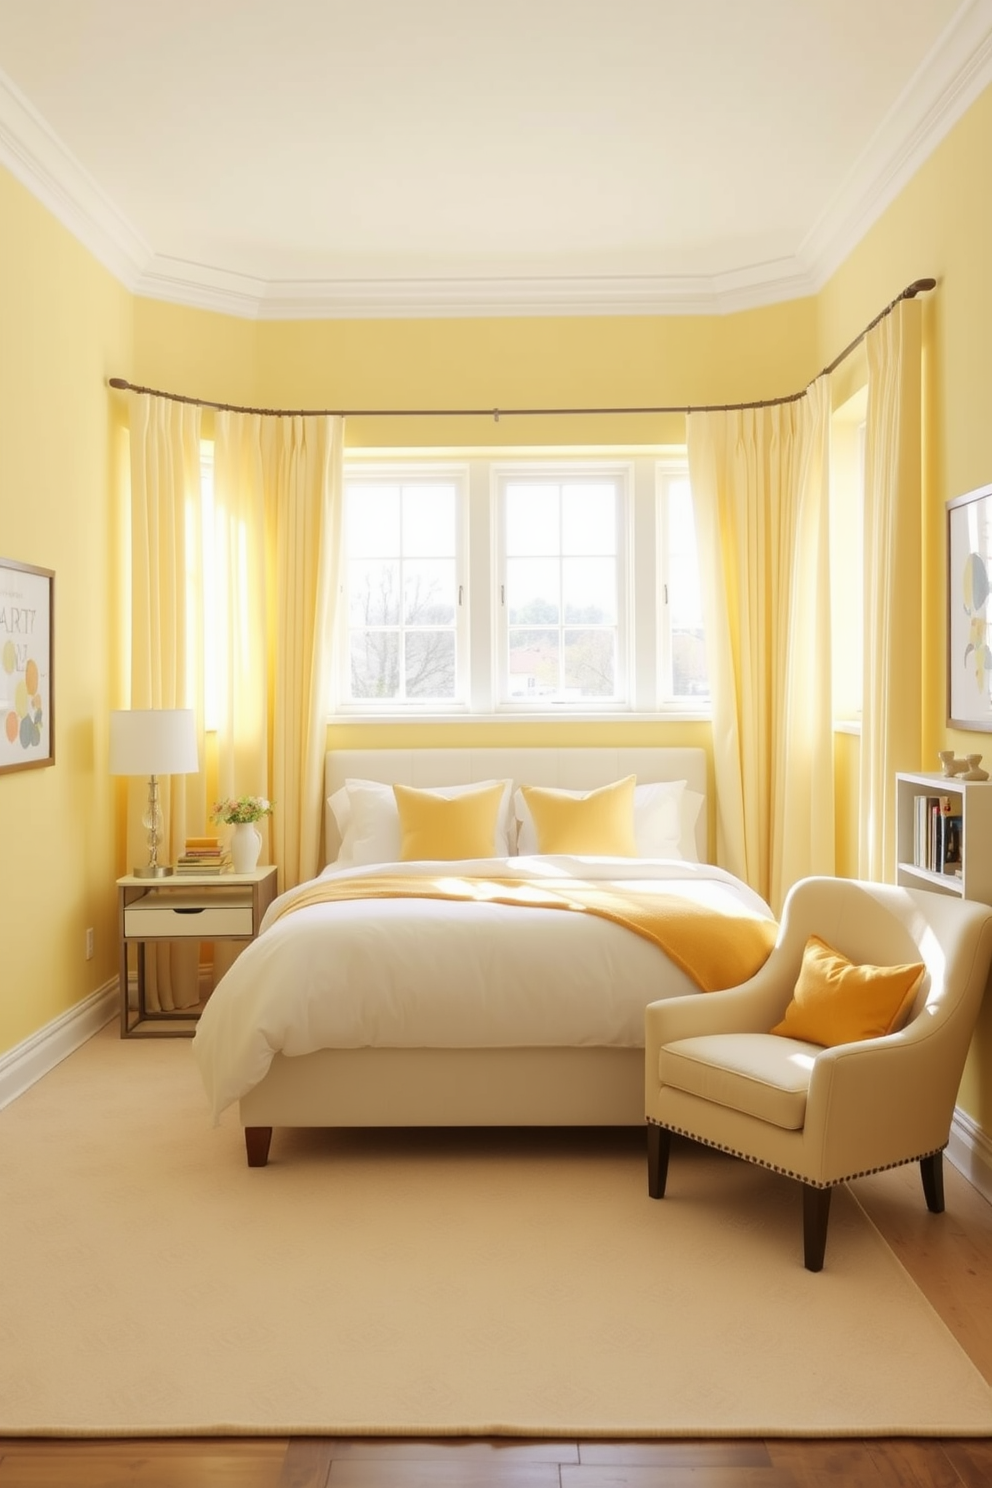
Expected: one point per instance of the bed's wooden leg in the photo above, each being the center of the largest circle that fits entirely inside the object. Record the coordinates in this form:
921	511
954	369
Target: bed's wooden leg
257	1139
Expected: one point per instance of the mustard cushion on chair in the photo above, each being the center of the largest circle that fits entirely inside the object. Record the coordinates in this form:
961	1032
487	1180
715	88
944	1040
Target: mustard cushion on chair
838	1002
599	824
442	828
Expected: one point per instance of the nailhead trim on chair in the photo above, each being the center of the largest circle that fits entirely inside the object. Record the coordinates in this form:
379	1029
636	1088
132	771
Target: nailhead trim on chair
787	1172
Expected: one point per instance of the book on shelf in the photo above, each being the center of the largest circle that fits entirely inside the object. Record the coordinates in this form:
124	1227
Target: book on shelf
950	843
936	832
937	835
924	831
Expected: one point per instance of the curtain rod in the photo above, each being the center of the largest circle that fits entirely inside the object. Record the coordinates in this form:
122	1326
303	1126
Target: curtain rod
910	292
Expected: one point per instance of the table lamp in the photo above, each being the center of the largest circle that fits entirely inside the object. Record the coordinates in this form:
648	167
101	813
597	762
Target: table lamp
153	742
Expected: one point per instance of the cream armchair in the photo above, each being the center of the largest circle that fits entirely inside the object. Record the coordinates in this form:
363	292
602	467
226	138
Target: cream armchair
714	1073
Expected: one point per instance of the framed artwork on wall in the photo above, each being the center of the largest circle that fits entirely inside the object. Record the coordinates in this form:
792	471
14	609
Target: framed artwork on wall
969	614
27	696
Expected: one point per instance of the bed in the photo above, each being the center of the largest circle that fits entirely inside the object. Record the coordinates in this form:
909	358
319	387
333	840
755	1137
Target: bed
412	1010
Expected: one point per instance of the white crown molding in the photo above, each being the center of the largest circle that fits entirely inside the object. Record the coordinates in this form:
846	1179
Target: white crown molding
34	154
371	299
953	75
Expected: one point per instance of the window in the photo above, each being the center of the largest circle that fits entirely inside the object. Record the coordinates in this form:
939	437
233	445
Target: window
561	635
405	590
540	584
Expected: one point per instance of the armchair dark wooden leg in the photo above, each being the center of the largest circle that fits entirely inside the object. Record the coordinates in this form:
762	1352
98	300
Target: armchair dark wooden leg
659	1147
257	1139
816	1212
932	1173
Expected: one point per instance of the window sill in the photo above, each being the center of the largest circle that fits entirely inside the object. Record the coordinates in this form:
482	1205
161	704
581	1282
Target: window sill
661	715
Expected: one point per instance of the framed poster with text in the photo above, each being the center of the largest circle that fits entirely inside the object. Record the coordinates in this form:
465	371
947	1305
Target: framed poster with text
27	699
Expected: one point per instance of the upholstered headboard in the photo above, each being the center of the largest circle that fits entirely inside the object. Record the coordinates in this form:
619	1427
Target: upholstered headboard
571	769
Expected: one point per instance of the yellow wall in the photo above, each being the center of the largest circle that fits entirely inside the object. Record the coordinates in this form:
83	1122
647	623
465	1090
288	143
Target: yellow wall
66	327
597	361
194	352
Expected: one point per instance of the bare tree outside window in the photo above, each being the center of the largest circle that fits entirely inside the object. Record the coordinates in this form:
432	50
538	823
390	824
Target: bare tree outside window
402	595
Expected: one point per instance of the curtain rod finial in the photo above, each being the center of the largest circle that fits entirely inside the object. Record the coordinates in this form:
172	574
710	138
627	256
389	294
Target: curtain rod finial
919	286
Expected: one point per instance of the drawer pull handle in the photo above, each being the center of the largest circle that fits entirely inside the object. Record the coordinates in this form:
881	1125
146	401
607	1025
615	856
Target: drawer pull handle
193	909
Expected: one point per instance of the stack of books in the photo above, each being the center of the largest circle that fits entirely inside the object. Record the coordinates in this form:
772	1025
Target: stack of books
937	835
203	855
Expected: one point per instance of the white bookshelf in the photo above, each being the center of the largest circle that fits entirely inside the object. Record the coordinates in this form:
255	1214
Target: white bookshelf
972	801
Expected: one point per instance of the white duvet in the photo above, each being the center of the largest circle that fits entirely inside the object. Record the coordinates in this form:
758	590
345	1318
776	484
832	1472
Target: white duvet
423	973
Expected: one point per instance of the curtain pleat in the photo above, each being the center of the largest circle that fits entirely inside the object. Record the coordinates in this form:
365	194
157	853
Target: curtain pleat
892	711
278	499
237	705
165	564
760	485
303	460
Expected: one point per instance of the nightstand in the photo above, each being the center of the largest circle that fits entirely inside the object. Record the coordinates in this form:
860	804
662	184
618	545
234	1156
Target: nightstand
183	911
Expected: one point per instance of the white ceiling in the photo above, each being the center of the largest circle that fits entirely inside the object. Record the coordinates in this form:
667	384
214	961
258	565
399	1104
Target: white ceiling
278	158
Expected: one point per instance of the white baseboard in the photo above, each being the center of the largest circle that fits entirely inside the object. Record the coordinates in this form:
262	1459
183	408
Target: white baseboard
970	1150
21	1066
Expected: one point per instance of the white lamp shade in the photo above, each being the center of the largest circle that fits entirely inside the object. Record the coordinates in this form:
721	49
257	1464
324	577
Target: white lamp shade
153	741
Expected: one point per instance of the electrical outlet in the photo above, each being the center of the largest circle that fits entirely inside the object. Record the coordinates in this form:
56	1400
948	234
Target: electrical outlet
90	940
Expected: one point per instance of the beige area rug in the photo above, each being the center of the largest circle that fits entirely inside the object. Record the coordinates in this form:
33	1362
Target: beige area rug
410	1283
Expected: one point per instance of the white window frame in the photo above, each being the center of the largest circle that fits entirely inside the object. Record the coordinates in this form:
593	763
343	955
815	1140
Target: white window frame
410	472
667	471
642	615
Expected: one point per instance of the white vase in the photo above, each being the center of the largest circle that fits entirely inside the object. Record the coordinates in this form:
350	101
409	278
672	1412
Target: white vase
246	844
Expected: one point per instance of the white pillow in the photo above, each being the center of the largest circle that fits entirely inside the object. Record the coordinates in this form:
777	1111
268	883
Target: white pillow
369	823
665	815
689	809
341	809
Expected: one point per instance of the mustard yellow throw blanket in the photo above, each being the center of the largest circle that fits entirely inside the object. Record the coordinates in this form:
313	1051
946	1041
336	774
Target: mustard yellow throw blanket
715	949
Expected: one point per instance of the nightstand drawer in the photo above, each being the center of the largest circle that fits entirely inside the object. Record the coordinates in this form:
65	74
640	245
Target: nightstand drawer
174	916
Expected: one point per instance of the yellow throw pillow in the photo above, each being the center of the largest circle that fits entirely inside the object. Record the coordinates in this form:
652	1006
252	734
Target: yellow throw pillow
600	824
442	827
838	1002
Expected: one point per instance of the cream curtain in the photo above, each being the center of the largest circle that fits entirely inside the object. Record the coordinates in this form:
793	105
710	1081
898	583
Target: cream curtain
760	491
165	659
278	495
247	641
892	712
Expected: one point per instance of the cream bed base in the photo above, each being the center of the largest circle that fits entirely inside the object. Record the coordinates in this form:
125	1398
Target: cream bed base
467	1087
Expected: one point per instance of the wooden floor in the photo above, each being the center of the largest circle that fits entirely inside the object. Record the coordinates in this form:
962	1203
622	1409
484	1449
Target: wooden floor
949	1256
